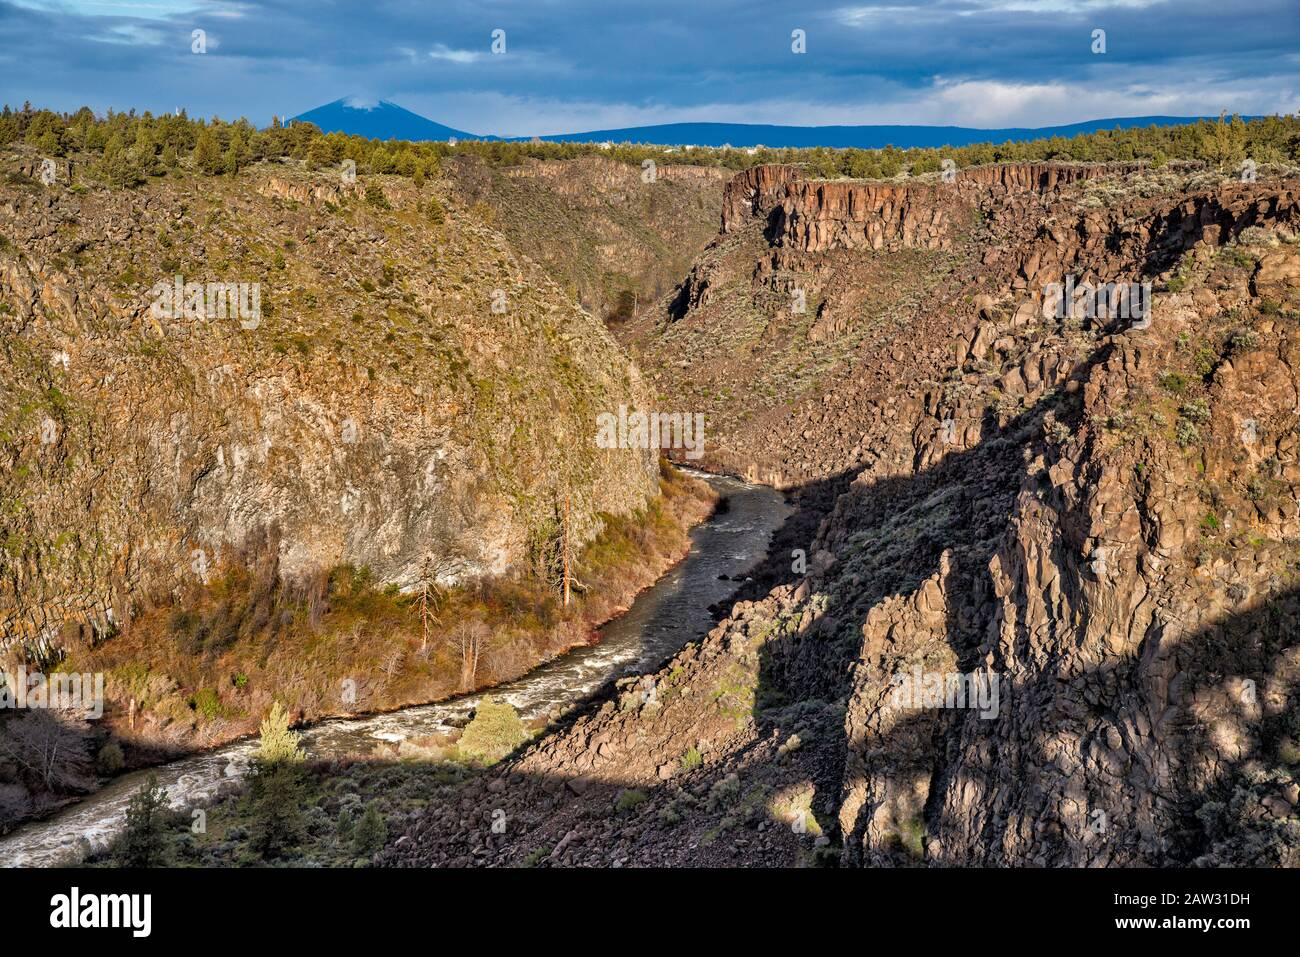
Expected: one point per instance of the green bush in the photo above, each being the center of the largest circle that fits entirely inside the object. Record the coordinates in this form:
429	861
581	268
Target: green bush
346	824
1174	383
692	759
1186	434
1196	410
370	833
629	799
110	759
495	731
206	703
278	743
375	196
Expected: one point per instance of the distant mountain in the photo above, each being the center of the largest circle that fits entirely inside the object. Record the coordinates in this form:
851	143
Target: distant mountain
382	121
389	121
840	137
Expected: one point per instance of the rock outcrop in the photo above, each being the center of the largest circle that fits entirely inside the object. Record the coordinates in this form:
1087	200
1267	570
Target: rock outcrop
755	193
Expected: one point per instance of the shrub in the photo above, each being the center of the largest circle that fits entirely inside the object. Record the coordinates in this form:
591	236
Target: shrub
724	792
1245	340
670	816
346	824
1196	410
370	833
536	856
1174	383
278	743
1186	433
110	759
375	196
629	799
206	703
495	731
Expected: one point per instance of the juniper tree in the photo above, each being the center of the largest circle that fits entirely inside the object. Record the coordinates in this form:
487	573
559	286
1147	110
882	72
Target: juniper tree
144	843
276	787
370	832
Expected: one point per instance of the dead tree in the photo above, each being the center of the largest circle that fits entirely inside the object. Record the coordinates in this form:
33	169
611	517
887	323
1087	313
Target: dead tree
470	636
51	747
430	595
564	563
427	604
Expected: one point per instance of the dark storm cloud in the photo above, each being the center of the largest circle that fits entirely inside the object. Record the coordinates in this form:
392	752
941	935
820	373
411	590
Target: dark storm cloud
570	65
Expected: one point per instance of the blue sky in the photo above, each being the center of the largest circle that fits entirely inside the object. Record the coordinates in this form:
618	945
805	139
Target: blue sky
571	66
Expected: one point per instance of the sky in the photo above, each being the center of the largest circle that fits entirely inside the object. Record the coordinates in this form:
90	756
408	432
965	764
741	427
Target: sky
574	65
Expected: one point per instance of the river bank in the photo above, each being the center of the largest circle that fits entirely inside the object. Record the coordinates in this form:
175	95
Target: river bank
187	678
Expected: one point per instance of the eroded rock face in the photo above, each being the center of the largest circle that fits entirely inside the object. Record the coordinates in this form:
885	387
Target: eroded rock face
316	191
755	193
380	411
804	287
819	215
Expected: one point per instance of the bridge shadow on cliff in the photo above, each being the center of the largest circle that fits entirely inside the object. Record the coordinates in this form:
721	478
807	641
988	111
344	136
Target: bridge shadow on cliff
956	512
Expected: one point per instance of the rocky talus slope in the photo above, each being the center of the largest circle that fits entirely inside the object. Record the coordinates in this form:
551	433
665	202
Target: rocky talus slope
1097	515
409	391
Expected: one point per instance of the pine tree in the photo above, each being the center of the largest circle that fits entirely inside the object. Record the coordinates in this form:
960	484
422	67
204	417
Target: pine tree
118	167
207	154
275	786
49	144
144	843
320	153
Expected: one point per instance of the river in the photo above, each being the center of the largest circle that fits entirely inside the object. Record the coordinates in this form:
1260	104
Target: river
662	619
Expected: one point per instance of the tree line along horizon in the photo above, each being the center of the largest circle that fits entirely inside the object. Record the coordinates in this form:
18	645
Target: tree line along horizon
127	149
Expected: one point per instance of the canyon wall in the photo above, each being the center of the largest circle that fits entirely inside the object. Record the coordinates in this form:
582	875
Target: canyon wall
411	395
1095	515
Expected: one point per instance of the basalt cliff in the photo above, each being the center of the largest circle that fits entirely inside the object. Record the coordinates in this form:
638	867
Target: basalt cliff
1089	516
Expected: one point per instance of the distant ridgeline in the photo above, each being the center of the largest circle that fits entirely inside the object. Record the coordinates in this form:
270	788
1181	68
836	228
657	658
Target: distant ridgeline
385	120
124	149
